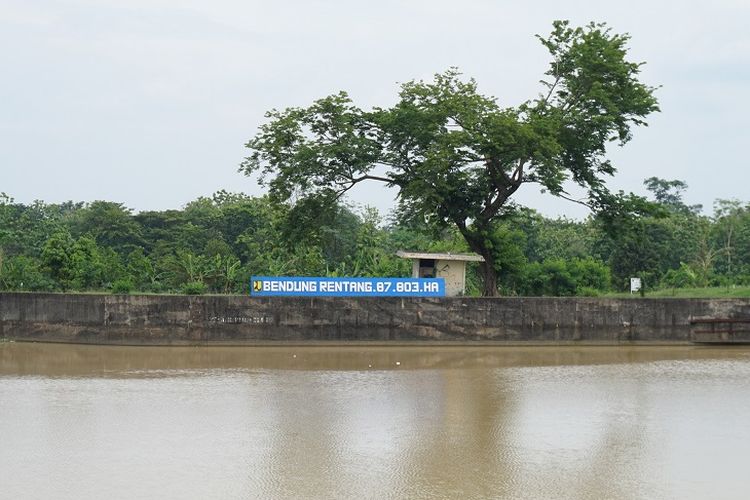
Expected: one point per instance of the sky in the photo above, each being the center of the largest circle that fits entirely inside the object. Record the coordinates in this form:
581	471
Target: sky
150	102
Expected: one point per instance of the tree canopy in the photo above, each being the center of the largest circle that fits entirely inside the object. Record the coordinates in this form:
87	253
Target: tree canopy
457	156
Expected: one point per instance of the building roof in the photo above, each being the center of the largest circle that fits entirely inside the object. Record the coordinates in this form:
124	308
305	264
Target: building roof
470	257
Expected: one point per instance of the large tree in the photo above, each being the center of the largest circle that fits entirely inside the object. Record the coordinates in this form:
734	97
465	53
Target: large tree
458	156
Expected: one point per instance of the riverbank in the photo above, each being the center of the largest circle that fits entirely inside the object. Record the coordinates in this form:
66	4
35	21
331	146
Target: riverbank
242	320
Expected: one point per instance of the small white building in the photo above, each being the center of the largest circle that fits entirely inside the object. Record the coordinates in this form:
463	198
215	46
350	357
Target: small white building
450	266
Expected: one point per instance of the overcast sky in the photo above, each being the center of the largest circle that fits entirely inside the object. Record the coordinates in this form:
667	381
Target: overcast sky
149	102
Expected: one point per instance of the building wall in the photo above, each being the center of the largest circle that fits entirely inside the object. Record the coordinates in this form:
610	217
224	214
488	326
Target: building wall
415	268
454	273
174	319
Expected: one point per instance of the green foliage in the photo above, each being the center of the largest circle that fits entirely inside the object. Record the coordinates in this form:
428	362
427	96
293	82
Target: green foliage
590	273
683	277
586	291
25	228
558	277
563	239
141	271
550	277
193	288
216	243
730	235
508	246
122	287
654	245
86	265
224	273
186	267
533	255
56	258
669	195
111	224
21	272
372	255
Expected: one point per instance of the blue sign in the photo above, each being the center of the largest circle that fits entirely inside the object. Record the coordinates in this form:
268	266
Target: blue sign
267	286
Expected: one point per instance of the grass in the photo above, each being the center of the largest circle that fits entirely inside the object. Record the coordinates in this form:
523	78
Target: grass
691	293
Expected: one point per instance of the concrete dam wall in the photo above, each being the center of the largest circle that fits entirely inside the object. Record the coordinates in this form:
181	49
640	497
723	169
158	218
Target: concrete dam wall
188	320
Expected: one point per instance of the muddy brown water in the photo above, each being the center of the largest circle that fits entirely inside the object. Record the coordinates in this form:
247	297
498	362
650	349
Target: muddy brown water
91	422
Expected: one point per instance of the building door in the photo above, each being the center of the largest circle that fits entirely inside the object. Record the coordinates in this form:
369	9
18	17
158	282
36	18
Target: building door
426	268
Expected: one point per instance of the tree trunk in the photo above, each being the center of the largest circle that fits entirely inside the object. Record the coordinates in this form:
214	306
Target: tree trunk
489	278
478	244
489	273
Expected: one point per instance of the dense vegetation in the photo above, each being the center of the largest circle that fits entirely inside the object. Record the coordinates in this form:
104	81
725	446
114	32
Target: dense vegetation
213	245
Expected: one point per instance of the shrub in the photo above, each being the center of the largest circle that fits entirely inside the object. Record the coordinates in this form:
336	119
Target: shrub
193	288
564	278
122	287
683	277
590	273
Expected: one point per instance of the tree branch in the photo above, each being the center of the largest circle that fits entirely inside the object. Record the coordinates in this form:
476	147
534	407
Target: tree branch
374	178
353	182
517	176
498	176
505	190
551	89
564	196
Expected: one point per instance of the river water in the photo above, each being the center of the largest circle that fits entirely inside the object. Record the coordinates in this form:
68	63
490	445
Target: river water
91	422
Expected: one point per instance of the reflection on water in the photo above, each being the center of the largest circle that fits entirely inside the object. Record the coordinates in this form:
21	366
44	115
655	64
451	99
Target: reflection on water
365	422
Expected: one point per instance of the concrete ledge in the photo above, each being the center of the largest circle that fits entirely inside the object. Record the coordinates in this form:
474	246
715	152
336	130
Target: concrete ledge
242	320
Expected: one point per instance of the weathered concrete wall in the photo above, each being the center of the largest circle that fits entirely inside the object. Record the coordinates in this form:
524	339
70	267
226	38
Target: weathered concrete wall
170	319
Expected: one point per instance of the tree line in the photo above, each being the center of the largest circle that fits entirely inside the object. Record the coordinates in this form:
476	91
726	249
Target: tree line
214	244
